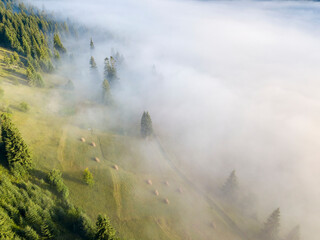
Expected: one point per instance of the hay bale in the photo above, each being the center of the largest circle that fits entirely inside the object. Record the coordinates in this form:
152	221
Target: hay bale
97	159
93	144
166	201
116	167
82	139
156	192
149	182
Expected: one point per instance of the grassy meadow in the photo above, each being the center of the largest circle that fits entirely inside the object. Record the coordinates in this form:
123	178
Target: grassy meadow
53	128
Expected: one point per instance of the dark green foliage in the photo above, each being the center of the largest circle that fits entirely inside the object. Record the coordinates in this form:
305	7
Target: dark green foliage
5	225
230	188
45	231
30	234
110	70
87	177
57	44
91	44
271	227
146	125
104	229
80	222
17	151
27	33
294	234
30	212
54	178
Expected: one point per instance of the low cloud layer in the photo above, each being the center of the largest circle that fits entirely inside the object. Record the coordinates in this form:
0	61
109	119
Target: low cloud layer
235	85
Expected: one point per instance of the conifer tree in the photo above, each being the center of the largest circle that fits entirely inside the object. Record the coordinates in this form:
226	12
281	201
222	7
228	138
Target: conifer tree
271	227
17	151
230	187
57	44
91	44
110	70
104	229
106	95
146	125
87	177
294	234
93	65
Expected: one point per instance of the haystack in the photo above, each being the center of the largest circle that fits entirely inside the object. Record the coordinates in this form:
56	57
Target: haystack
116	167
149	182
82	139
166	183
93	144
166	201
156	192
97	159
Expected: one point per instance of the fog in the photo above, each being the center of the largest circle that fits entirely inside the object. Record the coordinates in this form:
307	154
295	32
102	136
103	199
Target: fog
229	85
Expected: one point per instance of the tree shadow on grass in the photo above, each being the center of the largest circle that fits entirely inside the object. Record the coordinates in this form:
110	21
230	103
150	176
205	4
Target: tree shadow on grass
69	177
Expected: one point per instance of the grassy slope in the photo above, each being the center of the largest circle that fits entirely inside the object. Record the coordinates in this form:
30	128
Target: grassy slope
124	195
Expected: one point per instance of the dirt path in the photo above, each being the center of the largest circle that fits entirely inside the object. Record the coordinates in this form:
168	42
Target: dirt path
217	208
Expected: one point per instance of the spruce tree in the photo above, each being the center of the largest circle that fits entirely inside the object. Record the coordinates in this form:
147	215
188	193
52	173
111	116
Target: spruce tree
294	234
91	44
146	125
57	44
271	227
104	229
110	70
17	151
93	65
230	187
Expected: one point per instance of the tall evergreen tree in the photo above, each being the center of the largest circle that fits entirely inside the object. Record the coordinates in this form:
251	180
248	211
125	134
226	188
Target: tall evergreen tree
93	64
57	44
271	227
110	70
91	44
146	125
294	234
104	229
230	187
17	151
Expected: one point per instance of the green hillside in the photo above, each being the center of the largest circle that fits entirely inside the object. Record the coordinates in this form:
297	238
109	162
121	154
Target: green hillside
53	128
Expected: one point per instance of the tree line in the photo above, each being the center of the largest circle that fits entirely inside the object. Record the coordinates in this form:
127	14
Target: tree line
32	34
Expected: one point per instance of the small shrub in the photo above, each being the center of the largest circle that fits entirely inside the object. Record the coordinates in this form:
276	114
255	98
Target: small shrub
87	177
24	107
